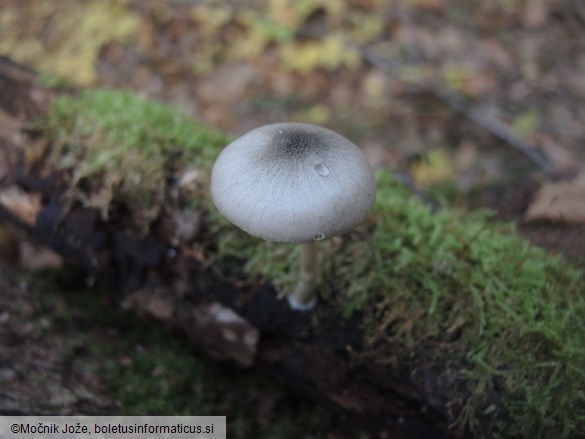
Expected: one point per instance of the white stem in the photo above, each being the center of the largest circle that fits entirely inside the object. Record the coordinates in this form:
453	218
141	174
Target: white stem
303	297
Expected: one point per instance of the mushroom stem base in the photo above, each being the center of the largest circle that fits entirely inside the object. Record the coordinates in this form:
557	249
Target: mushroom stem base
303	297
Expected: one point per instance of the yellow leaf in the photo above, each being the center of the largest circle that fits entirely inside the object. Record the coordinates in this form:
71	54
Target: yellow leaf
365	27
77	32
302	57
317	114
374	86
249	45
457	75
435	168
333	51
526	123
330	53
212	17
283	13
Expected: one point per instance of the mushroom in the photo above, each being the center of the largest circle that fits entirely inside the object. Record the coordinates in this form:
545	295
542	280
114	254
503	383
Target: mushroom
294	182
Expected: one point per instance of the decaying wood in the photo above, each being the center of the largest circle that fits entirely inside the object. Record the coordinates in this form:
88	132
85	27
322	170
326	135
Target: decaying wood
247	324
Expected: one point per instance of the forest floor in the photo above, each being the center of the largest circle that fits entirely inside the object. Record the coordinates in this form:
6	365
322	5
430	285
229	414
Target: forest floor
384	76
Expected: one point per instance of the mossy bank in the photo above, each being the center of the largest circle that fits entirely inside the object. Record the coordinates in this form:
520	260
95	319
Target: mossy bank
505	317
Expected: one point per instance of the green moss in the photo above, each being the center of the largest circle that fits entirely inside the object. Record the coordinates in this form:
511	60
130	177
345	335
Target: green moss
125	148
505	317
519	311
508	317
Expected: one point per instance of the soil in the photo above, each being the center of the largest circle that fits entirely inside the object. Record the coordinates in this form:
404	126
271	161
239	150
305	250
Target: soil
46	369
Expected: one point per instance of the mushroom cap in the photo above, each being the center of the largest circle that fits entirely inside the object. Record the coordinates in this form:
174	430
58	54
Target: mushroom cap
293	182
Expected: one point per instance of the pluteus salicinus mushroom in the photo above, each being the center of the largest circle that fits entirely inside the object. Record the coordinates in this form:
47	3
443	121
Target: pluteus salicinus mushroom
294	182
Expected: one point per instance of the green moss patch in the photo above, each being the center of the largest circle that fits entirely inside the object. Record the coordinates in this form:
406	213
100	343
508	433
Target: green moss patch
125	149
506	319
511	314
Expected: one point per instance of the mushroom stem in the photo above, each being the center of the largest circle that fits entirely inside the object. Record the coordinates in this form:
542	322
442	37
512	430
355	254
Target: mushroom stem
303	297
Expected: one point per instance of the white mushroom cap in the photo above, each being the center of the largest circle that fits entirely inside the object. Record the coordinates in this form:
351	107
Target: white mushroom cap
293	182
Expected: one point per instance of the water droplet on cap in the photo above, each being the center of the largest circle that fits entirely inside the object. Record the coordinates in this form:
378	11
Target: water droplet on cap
322	170
319	237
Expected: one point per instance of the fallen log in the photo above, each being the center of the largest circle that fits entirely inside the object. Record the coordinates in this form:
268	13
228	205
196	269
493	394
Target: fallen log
253	328
430	325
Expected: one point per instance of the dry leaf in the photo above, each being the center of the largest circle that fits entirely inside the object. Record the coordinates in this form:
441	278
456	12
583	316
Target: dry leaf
38	257
23	205
16	250
534	14
379	154
560	201
493	52
562	159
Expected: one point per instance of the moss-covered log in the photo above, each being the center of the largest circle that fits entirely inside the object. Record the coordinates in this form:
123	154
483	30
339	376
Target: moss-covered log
430	324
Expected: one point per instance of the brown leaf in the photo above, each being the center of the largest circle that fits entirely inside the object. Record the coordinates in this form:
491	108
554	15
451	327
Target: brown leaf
379	154
534	14
154	302
23	205
492	51
560	201
38	257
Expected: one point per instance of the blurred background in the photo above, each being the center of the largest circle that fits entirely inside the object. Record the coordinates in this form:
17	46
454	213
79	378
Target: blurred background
479	103
403	79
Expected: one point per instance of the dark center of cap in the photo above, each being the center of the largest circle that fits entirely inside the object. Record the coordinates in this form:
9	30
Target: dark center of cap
295	144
